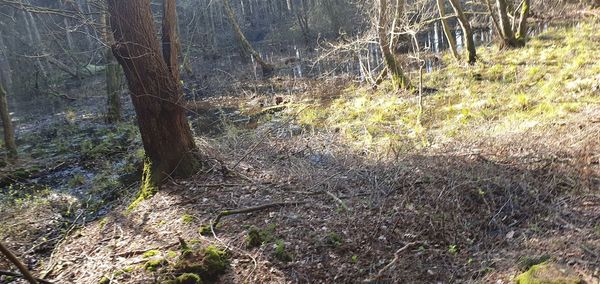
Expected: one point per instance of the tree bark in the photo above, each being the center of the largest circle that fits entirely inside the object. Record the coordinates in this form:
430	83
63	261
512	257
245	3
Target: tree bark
267	69
156	96
467	31
393	66
446	28
170	42
9	131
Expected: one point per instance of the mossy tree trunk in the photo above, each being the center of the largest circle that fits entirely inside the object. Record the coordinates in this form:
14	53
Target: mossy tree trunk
113	82
446	28
9	131
267	69
512	38
156	96
521	33
467	31
383	31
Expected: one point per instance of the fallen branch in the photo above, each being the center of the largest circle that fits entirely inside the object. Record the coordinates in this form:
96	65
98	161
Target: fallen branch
14	274
389	265
253	209
12	258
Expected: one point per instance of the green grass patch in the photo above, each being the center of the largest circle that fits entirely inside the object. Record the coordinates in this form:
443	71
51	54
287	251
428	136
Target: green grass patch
510	91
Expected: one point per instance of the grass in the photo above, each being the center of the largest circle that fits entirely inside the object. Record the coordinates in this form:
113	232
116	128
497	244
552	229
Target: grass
506	92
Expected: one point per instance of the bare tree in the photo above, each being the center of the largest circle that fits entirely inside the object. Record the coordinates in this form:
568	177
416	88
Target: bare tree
513	34
467	31
385	34
446	28
267	69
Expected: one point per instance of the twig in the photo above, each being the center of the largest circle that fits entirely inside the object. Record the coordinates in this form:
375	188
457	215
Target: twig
13	274
253	209
389	265
338	200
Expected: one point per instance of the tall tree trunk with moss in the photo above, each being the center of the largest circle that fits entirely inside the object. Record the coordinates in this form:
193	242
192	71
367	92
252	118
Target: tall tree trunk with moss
156	96
467	31
113	82
521	33
267	69
393	67
446	28
9	131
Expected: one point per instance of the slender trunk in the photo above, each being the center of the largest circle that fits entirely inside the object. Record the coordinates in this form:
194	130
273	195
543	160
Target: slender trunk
156	96
9	131
170	42
34	43
113	82
467	31
490	9
5	70
522	27
393	66
68	34
447	32
508	36
267	69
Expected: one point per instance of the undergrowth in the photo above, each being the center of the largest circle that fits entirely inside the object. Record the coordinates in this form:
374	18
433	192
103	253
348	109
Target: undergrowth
506	92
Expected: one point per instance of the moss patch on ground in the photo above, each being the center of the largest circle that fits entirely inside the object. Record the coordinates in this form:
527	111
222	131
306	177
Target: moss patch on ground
548	273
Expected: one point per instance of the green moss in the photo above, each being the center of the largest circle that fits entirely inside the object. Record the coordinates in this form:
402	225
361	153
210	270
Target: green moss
104	280
253	239
281	253
204	230
171	254
548	273
333	240
208	262
154	264
150	184
150	253
189	278
76	180
187	218
215	260
102	222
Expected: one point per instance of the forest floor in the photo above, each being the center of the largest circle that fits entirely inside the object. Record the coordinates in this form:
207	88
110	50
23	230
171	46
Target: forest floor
495	171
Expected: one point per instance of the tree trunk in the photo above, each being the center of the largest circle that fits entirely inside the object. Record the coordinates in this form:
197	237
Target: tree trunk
508	36
170	42
447	32
9	131
467	31
267	69
113	82
393	66
156	96
490	9
33	40
522	28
